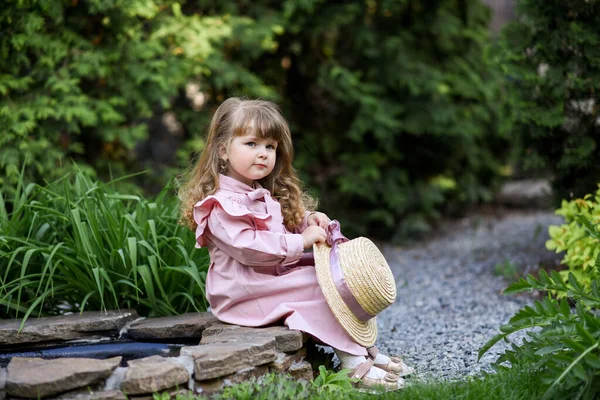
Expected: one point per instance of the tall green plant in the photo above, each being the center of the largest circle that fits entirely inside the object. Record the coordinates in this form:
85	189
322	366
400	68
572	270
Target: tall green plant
79	243
563	344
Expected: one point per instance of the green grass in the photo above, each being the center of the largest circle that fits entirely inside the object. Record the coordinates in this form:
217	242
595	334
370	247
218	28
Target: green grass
514	384
80	244
504	385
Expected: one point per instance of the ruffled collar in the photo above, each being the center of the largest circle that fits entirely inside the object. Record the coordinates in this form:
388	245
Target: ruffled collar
233	185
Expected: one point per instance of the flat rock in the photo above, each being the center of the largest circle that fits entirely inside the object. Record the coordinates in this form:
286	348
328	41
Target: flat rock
96	395
287	340
247	374
65	327
165	394
221	359
212	386
153	374
36	377
301	370
284	360
82	392
526	193
180	326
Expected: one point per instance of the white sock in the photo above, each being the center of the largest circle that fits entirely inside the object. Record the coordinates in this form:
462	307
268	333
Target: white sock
381	359
351	361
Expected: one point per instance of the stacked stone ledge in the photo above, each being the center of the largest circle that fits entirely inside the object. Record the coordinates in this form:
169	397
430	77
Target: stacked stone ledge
226	355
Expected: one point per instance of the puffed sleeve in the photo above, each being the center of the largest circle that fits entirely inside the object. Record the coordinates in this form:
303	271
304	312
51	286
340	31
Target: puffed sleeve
243	234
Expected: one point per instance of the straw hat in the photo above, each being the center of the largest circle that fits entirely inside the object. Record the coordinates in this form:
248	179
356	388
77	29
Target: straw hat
356	282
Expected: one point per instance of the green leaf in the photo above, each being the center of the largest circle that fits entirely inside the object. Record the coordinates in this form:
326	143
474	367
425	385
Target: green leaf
574	283
557	381
584	334
564	307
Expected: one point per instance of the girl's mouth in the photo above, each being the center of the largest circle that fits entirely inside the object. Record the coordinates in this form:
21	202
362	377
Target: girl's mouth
261	165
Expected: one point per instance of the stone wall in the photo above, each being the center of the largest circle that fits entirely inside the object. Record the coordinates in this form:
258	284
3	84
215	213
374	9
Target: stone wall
224	355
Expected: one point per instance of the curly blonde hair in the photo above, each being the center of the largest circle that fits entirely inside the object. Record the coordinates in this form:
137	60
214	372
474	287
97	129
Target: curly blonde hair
235	117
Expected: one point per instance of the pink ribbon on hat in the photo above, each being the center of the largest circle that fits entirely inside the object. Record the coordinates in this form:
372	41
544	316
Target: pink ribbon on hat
335	237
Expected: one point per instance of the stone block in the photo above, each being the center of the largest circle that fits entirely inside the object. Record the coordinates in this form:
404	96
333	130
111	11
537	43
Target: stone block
221	359
284	360
65	327
287	340
209	386
173	393
153	374
87	392
212	386
301	371
247	374
95	395
188	325
36	377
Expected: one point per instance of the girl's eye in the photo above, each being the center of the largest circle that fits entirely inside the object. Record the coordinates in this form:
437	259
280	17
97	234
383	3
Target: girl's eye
271	147
251	144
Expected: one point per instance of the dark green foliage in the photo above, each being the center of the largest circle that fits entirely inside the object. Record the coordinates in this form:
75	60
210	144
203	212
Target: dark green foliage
394	107
551	55
396	111
80	245
80	78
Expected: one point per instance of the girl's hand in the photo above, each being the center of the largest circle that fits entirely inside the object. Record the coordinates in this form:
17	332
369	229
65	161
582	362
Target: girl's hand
318	219
313	234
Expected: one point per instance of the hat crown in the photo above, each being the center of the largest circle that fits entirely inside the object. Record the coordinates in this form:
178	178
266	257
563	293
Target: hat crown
367	275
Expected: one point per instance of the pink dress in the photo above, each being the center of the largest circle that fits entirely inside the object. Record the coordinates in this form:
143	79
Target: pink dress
253	278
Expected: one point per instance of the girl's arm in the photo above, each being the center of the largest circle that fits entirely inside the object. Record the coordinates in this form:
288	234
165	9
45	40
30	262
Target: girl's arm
304	224
313	218
238	237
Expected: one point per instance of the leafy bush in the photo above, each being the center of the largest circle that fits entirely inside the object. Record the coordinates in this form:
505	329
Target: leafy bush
579	238
551	52
564	346
77	243
564	349
395	107
397	111
80	79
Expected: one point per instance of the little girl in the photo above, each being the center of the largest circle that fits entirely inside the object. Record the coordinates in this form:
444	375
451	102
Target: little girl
244	201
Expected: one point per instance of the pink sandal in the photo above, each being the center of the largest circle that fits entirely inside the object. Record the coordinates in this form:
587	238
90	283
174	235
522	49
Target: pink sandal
395	365
388	383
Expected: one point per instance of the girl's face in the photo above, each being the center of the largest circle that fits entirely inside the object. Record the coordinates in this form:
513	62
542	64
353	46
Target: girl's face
250	158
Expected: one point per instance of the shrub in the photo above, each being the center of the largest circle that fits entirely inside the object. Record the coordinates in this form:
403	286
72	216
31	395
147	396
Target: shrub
579	238
80	79
394	105
77	243
564	347
397	111
551	52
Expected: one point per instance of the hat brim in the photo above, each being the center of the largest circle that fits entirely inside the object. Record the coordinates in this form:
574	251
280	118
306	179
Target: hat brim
363	332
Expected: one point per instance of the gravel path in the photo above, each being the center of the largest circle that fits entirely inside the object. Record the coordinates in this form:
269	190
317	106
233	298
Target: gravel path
450	299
